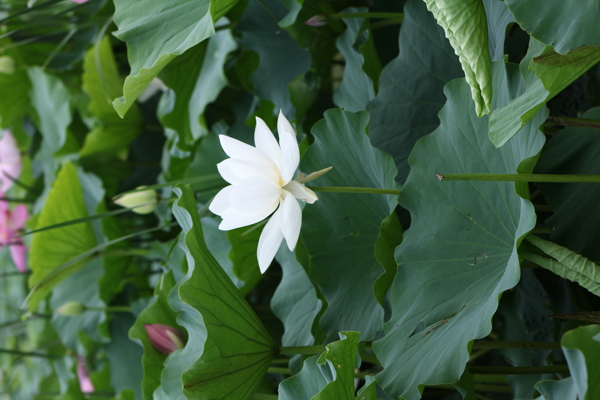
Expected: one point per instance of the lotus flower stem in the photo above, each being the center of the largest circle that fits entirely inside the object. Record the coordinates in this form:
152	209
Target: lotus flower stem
110	309
354	190
28	353
290	350
550	178
549	369
525	345
575	122
386	15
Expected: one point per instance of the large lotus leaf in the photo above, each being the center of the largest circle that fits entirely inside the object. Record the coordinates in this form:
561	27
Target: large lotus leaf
460	252
356	45
156	32
411	86
196	79
340	229
575	223
295	301
281	58
546	74
244	243
102	83
13	105
50	98
565	263
157	312
238	349
329	376
52	248
560	24
465	24
581	348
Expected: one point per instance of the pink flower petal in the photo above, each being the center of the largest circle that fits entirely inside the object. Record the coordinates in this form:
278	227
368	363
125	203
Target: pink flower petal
17	252
85	383
18	218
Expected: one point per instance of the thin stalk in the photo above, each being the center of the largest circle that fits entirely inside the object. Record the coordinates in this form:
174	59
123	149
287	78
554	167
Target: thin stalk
126	309
291	350
386	22
13	200
480	388
385	15
501	378
550	369
279	370
576	122
126	252
15	273
59	47
354	190
28	353
550	178
525	345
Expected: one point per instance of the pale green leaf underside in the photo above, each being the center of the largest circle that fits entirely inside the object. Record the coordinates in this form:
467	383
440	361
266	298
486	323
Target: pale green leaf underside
566	264
238	349
465	25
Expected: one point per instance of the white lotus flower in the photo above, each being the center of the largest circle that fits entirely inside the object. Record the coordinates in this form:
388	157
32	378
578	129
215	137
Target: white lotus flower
261	182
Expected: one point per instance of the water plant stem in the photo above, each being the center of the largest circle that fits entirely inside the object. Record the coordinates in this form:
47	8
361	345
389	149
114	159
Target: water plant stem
385	15
503	344
28	353
354	190
110	309
549	369
576	122
550	178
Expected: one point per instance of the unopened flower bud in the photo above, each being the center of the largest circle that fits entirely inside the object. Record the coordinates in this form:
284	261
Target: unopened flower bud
318	20
71	309
143	202
85	383
164	338
7	65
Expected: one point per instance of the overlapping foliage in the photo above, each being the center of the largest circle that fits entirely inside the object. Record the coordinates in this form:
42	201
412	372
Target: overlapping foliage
403	284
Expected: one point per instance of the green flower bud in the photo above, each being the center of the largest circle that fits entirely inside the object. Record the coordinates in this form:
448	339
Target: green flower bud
143	202
71	309
7	65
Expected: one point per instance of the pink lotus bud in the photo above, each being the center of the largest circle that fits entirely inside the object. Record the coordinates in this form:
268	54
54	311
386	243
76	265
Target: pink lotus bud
85	383
318	20
79	1
164	338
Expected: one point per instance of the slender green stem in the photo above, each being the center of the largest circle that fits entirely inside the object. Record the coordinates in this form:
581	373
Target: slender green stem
13	200
291	350
386	22
15	273
485	378
28	353
480	388
126	252
385	15
543	208
354	190
550	369
576	122
525	345
126	309
279	370
551	178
